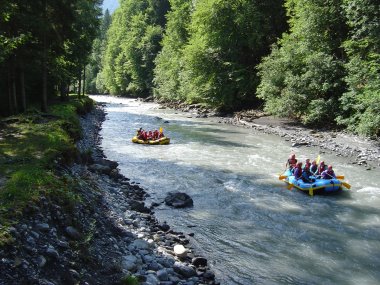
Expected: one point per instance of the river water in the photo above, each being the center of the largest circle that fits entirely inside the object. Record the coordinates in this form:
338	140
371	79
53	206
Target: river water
249	226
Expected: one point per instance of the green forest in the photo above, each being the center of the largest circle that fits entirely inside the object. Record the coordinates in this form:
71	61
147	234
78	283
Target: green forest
314	61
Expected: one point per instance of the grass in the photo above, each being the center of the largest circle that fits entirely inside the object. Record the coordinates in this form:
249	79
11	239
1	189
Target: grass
31	145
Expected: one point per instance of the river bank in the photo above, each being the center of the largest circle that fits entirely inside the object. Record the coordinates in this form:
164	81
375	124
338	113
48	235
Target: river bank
361	151
107	237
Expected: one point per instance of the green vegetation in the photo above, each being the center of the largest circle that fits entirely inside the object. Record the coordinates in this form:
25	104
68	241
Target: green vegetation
311	60
44	46
130	280
303	77
30	147
361	101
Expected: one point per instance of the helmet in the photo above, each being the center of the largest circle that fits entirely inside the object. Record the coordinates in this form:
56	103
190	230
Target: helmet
293	156
299	164
322	162
329	167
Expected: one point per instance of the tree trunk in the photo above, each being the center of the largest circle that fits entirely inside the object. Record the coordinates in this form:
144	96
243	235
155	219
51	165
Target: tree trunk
84	79
22	87
80	84
44	70
14	94
44	79
10	104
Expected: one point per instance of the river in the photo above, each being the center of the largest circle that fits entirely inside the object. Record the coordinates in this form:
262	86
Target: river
245	221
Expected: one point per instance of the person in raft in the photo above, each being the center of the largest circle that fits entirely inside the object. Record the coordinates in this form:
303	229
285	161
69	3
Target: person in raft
298	171
307	163
322	167
314	168
307	175
292	162
328	173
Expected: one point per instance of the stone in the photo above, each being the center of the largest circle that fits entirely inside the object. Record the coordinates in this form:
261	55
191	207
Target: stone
178	200
129	263
139	244
51	252
199	262
41	261
163	275
180	250
43	227
184	270
73	233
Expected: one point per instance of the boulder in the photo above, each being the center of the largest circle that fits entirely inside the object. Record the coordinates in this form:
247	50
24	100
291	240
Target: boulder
178	200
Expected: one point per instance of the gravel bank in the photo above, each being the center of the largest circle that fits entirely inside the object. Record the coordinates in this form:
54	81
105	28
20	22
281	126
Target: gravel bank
106	237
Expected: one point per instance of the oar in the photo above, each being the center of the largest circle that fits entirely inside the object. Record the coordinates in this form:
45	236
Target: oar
345	184
340	177
282	177
290	186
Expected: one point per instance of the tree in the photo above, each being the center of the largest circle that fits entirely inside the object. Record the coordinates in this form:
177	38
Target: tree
133	43
303	76
98	49
227	40
361	102
39	53
169	62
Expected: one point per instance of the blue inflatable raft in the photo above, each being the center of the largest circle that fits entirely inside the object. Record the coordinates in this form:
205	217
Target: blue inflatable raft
319	186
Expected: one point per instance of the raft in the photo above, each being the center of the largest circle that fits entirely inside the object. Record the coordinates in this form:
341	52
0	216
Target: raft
163	140
320	186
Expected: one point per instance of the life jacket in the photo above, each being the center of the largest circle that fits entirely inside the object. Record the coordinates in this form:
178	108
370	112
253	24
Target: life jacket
297	173
321	168
328	174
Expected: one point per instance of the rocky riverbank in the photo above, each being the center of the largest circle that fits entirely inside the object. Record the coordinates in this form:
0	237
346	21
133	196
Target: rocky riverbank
361	151
108	236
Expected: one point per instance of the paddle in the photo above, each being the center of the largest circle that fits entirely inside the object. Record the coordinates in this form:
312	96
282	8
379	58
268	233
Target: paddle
290	186
340	177
282	177
345	184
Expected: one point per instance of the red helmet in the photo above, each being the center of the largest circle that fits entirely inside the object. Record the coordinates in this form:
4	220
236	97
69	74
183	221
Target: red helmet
329	167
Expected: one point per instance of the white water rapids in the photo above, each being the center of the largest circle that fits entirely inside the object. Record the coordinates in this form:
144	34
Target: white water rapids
249	226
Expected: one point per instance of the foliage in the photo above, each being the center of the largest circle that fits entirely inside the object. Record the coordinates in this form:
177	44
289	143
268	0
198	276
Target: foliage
31	147
303	76
130	280
361	102
94	84
169	62
227	40
133	43
44	47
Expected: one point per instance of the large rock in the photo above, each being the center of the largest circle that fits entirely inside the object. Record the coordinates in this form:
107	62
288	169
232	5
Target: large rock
180	250
178	200
73	233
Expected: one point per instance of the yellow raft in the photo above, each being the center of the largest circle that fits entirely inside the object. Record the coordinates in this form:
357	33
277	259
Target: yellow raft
163	140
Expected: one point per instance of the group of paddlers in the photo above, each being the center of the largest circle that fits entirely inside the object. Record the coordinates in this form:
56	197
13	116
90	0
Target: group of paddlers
149	135
310	171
